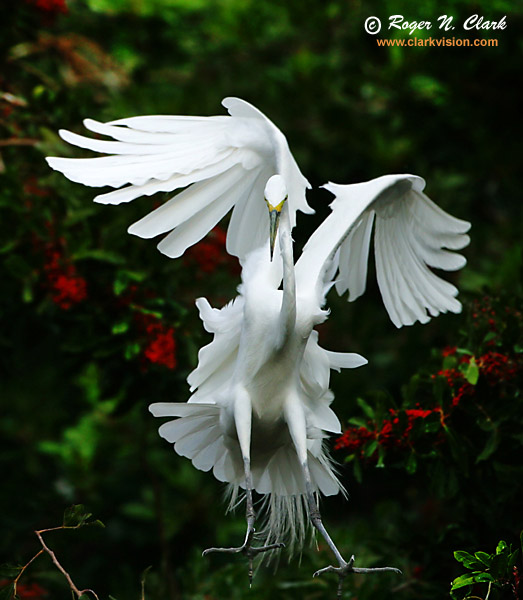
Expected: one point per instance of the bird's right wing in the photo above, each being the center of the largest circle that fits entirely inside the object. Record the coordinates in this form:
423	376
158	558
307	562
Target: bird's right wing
222	161
411	235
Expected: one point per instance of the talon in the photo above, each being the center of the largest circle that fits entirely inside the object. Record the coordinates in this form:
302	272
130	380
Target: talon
348	567
247	550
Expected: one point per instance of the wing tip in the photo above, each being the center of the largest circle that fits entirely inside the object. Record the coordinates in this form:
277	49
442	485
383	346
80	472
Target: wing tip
167	248
50	160
155	409
64	134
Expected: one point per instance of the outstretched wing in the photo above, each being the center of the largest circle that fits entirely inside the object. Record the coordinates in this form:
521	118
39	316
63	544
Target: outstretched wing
224	161
411	235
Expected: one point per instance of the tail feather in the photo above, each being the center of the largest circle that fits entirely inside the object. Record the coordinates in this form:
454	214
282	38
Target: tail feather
284	514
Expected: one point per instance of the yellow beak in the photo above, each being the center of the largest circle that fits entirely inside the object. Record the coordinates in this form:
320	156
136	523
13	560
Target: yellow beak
274	216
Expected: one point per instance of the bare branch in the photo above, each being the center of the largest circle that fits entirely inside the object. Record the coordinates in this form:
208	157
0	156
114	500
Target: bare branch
73	587
14	141
22	570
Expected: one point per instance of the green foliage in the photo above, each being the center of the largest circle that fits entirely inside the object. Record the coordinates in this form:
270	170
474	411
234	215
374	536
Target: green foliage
498	570
76	516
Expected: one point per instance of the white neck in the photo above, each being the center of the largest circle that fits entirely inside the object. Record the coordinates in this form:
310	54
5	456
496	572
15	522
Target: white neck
288	306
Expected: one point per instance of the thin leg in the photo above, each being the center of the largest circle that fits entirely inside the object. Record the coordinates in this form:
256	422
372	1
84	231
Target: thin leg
344	567
297	428
243	419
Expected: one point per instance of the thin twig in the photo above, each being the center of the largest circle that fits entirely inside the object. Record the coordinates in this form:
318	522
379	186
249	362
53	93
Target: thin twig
15	582
73	587
489	589
14	141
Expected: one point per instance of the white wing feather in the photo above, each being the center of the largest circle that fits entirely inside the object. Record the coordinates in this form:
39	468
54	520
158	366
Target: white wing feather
411	235
225	160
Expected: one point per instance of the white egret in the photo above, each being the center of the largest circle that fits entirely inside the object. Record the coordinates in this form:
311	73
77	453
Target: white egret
261	403
225	161
260	407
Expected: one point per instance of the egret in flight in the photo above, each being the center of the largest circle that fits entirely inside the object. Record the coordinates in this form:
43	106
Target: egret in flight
260	408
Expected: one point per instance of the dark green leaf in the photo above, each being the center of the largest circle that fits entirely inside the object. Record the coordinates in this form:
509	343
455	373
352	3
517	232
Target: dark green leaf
17	266
371	448
10	571
490	447
485	558
483	577
121	327
456	447
96	523
381	457
462	581
75	516
469	561
358	421
472	372
499	565
512	560
132	350
449	362
490	336
412	463
366	408
101	255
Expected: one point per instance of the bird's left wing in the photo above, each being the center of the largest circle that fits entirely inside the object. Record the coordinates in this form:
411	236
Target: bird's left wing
411	235
222	161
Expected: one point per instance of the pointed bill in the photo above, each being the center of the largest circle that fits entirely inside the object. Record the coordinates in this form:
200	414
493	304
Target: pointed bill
274	221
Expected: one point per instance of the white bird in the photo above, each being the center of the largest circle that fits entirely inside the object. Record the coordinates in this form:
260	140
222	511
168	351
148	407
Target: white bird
225	162
261	402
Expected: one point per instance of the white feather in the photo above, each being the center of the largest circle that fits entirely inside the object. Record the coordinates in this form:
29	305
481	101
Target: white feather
411	235
164	153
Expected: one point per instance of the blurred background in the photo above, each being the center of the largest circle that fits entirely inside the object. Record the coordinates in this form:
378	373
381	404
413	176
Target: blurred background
96	324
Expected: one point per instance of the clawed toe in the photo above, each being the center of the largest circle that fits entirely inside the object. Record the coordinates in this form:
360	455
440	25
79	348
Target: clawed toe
247	550
348	567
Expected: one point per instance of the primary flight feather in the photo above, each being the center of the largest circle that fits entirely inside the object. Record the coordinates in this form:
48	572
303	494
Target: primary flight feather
412	234
223	162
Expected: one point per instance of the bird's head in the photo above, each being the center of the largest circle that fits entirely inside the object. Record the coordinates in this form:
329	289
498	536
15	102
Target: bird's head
275	197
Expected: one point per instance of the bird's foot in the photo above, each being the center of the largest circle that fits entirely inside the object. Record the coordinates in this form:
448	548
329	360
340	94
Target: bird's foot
348	567
248	550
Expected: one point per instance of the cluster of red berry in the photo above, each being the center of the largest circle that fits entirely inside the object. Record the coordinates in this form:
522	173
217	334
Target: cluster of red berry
392	433
209	254
62	279
493	367
52	7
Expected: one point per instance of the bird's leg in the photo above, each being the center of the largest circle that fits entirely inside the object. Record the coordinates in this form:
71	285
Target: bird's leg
243	419
296	422
247	549
344	567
